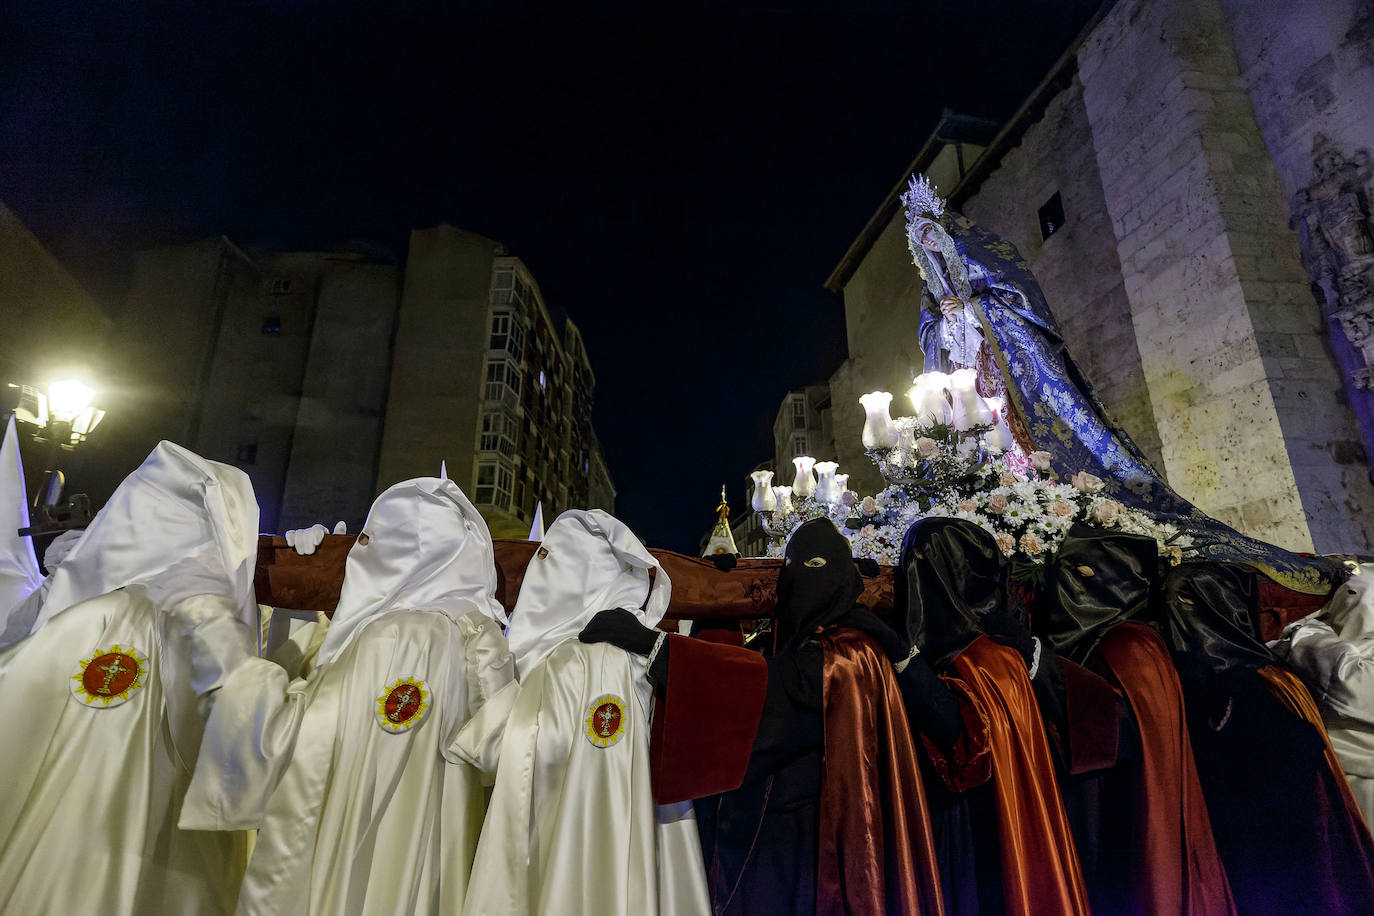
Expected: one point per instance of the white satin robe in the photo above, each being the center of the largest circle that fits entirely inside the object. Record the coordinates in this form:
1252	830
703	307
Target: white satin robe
1340	668
90	794
354	819
571	827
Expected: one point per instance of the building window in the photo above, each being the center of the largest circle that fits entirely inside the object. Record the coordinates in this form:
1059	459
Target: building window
494	484
499	433
271	325
507	334
798	413
281	286
503	383
504	279
500	330
798	446
1051	216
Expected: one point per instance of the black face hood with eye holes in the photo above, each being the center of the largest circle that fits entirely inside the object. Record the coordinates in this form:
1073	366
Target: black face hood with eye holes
818	585
951	574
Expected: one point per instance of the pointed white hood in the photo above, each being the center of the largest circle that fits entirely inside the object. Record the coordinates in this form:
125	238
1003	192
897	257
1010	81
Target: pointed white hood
180	522
20	575
423	546
588	562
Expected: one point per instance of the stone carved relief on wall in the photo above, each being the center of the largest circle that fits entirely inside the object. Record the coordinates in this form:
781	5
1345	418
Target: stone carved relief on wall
1333	216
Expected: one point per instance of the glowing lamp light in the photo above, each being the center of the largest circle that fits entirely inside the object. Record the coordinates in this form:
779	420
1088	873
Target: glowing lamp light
826	491
879	431
764	500
784	497
969	409
804	484
999	437
928	398
69	399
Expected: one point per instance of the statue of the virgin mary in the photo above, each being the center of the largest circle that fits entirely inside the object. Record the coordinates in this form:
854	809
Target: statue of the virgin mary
983	309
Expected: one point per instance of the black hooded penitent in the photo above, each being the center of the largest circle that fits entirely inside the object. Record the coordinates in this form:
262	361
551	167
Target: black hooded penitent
1098	579
951	574
818	584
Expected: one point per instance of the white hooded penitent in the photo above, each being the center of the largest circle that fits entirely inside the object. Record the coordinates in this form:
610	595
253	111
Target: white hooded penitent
587	562
180	524
1334	652
108	725
20	576
361	807
572	826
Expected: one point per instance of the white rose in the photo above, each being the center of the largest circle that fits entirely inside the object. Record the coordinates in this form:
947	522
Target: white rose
869	506
1040	460
927	448
1105	511
1086	483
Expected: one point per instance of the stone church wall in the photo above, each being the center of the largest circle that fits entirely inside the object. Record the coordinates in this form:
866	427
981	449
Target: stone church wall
1246	401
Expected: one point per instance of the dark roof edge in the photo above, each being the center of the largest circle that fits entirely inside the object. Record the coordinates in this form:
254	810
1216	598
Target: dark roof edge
1056	80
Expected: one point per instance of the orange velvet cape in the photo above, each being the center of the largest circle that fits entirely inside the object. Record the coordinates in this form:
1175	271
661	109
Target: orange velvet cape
1004	740
877	852
1178	869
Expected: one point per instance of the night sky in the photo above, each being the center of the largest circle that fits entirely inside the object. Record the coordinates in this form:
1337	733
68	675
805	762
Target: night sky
681	183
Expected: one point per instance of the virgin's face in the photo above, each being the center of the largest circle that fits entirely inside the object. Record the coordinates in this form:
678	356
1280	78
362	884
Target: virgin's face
930	240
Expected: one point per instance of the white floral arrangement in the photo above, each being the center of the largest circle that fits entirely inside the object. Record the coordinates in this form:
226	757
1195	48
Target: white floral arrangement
956	458
1028	513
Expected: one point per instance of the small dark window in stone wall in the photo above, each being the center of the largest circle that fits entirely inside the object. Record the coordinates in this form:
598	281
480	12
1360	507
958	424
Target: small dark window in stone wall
271	325
1051	216
247	454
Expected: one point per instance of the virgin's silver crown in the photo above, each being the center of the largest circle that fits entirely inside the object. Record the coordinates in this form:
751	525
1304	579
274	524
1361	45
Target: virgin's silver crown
922	198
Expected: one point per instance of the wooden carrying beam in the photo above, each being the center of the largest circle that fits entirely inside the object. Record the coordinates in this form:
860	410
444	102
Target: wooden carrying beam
700	591
285	579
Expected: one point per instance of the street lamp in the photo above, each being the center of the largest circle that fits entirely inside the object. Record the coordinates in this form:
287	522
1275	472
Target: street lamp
65	417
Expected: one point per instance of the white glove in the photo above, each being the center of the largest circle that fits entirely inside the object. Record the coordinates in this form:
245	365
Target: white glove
305	540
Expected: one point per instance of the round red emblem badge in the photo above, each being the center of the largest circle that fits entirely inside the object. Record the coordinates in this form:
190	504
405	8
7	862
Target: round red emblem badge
403	705
110	676
606	720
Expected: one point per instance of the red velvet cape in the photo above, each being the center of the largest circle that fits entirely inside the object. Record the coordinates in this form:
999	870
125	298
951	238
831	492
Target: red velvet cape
704	726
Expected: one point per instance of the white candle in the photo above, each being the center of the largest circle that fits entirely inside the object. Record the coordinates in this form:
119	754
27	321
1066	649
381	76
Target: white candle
804	484
784	497
842	483
764	500
969	409
878	429
826	491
